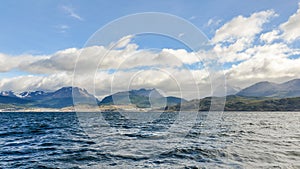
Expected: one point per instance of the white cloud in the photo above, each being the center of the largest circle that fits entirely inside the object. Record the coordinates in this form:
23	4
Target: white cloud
263	69
71	12
171	81
243	27
60	61
62	28
235	41
291	31
287	31
232	53
7	62
56	70
175	82
238	34
268	62
269	37
33	82
98	57
123	42
213	22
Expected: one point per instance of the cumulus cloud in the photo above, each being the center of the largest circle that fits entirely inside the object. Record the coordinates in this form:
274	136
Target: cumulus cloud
238	34
252	61
98	57
34	82
172	81
269	37
159	69
268	62
7	62
290	28
175	82
263	69
287	31
243	27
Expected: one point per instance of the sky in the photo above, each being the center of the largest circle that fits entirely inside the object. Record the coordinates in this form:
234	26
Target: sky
41	40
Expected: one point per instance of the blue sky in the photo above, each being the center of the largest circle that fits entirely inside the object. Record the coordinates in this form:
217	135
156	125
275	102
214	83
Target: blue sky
252	40
44	27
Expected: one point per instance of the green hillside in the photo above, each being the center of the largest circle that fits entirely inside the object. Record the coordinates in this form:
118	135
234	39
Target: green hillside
240	103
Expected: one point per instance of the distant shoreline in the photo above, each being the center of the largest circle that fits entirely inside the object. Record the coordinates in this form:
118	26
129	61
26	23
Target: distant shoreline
122	111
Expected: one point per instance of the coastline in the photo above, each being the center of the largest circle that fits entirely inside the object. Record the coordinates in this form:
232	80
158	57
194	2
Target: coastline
46	110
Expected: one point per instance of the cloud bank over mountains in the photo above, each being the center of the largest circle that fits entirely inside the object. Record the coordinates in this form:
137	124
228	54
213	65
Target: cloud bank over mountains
248	49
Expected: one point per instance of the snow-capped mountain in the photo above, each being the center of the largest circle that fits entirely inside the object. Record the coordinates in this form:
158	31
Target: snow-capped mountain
8	93
62	97
35	95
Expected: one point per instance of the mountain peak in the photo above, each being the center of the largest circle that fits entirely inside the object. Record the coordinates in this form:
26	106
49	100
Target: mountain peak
264	83
9	93
143	98
67	88
146	92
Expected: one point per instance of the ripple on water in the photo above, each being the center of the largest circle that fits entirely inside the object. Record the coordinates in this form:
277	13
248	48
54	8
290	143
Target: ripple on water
57	140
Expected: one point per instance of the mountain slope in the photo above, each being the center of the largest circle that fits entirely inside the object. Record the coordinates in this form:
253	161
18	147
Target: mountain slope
291	88
143	98
64	98
13	100
231	90
241	103
7	102
268	89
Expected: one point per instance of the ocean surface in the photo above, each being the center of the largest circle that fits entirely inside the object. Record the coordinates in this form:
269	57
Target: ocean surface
150	140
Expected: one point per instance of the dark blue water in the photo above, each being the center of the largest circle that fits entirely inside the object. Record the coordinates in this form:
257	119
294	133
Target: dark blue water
143	140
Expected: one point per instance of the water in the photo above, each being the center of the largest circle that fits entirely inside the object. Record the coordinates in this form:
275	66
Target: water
149	140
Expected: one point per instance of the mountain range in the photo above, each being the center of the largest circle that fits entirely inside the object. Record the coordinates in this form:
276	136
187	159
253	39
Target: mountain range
268	89
241	103
260	96
142	98
58	99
